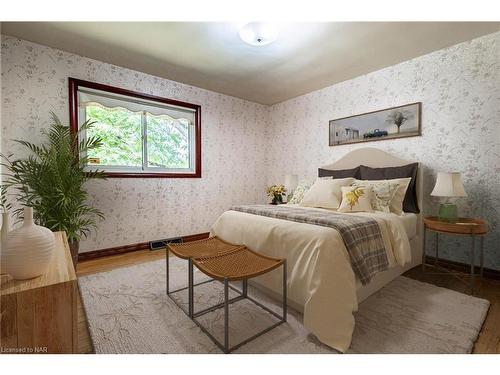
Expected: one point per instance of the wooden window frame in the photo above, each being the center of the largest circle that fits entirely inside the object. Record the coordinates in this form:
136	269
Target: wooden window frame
75	84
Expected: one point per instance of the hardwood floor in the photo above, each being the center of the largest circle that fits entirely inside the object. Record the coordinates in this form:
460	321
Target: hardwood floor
487	343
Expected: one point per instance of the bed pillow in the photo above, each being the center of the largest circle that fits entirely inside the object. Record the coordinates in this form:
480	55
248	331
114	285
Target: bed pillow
300	190
340	173
383	195
356	199
325	193
396	205
410	170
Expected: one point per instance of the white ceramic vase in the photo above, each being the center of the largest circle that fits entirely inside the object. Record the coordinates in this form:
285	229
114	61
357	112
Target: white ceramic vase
28	249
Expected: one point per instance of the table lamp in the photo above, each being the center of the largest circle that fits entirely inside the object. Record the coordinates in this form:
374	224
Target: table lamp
448	185
291	182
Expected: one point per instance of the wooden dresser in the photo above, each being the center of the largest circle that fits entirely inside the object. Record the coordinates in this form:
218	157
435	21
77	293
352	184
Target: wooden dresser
39	315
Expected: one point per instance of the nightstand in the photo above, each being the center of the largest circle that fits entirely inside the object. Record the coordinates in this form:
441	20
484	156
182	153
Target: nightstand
462	227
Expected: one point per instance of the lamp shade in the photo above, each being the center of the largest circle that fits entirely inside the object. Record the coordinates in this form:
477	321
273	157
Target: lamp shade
448	185
291	181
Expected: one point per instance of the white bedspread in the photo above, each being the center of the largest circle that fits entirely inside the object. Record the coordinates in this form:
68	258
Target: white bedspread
320	277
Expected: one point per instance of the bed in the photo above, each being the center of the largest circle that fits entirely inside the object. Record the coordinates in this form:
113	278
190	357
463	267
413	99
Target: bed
322	283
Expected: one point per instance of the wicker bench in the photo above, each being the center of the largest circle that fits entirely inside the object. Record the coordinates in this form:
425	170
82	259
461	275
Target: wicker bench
226	263
189	250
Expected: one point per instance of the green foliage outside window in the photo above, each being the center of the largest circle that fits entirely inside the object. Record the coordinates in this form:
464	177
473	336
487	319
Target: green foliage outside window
168	142
121	133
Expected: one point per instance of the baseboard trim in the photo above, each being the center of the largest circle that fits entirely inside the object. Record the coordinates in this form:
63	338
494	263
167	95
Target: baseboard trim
129	248
489	273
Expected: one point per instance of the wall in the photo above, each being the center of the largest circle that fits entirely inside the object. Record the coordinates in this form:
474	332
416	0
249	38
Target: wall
1	176
459	88
34	82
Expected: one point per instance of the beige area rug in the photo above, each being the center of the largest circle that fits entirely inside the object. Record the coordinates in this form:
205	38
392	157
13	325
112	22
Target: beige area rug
128	312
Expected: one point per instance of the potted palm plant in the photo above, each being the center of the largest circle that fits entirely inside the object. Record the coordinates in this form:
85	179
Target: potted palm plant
52	178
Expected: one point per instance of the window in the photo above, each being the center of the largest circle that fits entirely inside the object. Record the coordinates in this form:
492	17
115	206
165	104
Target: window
142	135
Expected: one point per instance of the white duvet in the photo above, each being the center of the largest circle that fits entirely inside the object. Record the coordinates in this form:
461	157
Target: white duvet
320	277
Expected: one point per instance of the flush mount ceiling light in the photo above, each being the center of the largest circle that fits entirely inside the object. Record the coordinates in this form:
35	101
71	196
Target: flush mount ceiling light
259	33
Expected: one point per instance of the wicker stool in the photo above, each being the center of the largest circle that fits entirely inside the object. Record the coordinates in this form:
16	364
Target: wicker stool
189	250
226	263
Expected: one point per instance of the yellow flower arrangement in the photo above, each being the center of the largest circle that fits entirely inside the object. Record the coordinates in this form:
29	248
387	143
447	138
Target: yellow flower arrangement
276	192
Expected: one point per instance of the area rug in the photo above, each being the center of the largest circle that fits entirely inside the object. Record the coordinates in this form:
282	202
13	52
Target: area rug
128	312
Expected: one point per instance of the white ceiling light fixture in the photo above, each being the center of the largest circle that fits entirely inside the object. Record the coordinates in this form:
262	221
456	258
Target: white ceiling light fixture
259	33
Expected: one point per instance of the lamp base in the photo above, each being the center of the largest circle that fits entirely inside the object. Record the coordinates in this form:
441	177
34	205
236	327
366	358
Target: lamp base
448	212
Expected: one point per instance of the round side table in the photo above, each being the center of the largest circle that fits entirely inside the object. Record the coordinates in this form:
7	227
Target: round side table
469	227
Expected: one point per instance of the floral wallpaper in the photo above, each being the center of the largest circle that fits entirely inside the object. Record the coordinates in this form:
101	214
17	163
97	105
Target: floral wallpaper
246	145
459	88
34	82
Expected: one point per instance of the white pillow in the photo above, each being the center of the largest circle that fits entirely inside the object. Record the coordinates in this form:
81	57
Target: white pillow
300	190
383	193
356	199
325	193
397	202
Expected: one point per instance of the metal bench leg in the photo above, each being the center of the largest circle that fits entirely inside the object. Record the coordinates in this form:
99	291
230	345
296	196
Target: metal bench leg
226	316
244	292
424	246
284	291
482	256
190	289
437	250
472	264
167	268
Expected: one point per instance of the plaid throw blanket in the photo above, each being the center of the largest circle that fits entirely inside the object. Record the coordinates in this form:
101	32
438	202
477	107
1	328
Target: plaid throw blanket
362	236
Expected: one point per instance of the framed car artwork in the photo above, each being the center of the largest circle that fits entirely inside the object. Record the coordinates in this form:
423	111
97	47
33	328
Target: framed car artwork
390	123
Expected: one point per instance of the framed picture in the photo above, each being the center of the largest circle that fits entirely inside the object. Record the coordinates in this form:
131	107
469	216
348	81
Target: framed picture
395	122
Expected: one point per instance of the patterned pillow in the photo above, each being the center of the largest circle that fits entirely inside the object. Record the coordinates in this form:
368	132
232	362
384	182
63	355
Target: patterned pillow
410	203
300	190
356	199
383	193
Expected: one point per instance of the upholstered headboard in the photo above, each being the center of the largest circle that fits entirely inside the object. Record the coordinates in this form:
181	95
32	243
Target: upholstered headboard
376	158
369	156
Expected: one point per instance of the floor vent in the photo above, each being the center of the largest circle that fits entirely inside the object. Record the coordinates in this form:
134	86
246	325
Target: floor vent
160	244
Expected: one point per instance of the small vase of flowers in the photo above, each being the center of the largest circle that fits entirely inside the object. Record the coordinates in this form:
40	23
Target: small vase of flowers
276	192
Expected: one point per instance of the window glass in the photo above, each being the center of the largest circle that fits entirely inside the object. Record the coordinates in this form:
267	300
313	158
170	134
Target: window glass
139	135
121	133
168	142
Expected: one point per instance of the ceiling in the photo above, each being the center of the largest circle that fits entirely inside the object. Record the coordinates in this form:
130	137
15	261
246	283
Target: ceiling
304	58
